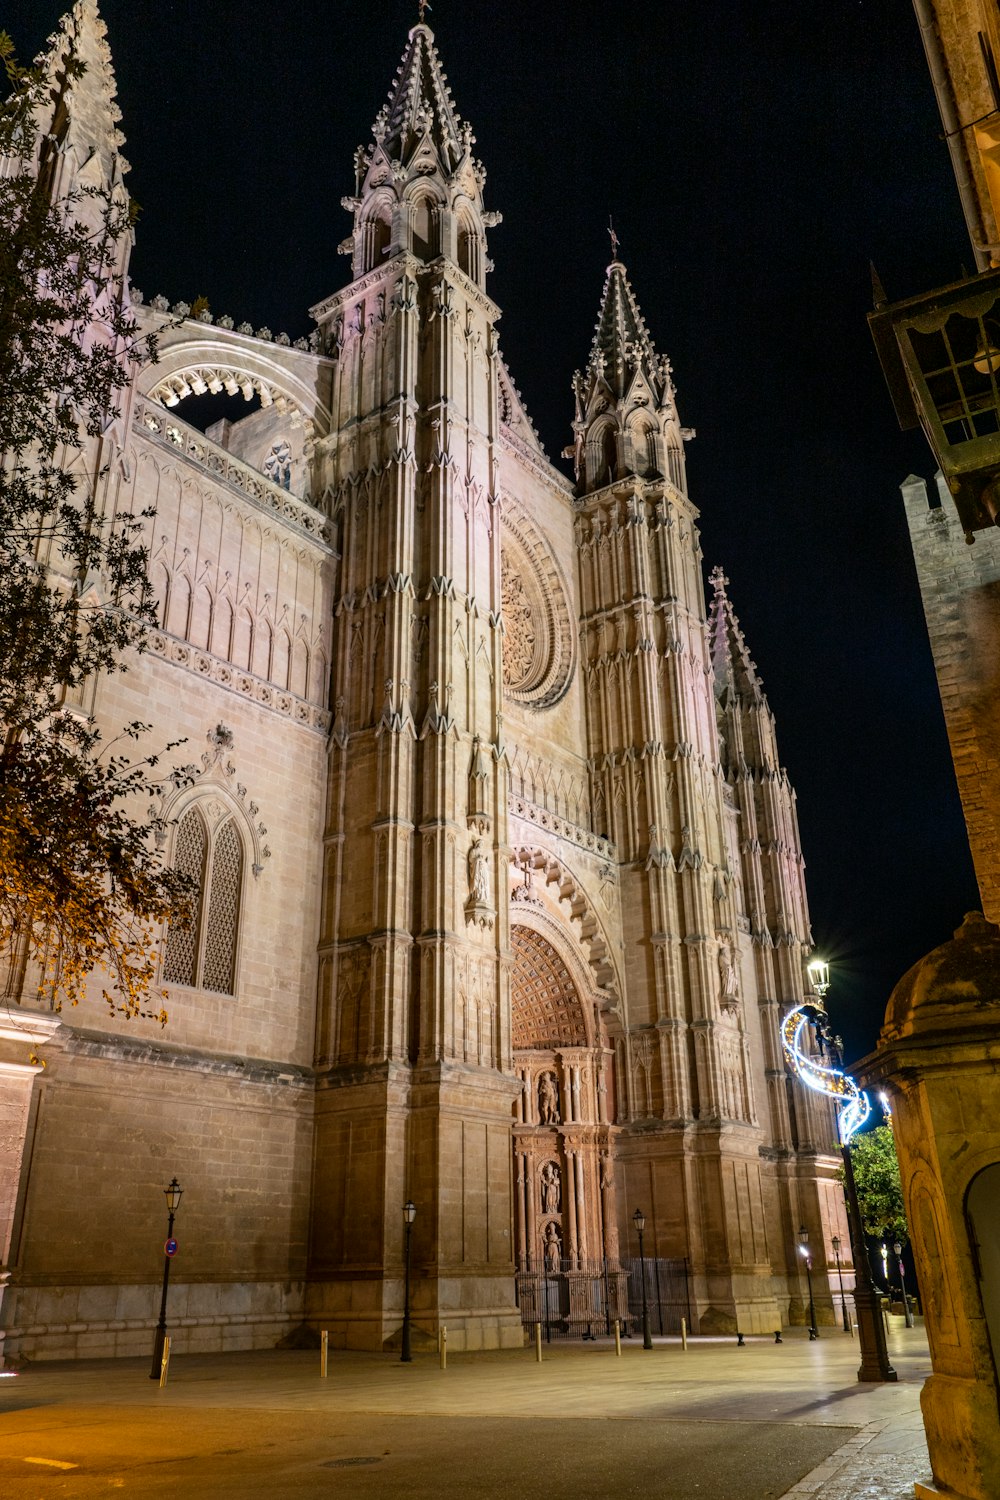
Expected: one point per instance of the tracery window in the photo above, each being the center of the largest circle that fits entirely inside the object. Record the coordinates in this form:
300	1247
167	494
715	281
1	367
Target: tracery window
204	956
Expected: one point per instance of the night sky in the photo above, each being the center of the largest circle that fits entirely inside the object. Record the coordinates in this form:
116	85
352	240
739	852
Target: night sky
755	157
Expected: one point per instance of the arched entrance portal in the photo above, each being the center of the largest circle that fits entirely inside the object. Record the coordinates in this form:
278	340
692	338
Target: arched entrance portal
565	1210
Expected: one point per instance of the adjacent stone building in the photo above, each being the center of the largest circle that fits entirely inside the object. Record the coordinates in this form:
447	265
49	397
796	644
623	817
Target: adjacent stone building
502	895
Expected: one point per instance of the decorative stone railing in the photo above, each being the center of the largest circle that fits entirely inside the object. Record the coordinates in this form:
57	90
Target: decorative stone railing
156	424
267	694
583	838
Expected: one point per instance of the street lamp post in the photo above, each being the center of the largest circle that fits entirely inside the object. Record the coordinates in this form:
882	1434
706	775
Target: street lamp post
804	1247
875	1364
897	1247
173	1195
639	1220
409	1214
835	1242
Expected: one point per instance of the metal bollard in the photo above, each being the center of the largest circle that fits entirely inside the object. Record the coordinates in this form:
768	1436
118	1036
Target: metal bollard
443	1346
777	1336
538	1342
324	1344
684	1333
165	1361
618	1337
740	1341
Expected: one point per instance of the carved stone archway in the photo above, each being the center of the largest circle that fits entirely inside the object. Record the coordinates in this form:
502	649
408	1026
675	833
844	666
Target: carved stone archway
565	1211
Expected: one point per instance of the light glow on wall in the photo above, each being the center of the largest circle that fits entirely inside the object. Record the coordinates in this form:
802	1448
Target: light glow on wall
853	1103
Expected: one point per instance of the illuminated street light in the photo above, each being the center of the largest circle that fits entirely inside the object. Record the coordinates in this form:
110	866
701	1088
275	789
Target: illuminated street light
835	1242
854	1108
898	1249
409	1214
639	1220
173	1194
804	1250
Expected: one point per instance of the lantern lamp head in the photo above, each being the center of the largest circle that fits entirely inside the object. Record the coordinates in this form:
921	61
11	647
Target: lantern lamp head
173	1195
639	1220
819	975
409	1211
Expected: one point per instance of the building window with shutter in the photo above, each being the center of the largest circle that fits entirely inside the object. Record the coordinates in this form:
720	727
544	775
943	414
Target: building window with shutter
204	956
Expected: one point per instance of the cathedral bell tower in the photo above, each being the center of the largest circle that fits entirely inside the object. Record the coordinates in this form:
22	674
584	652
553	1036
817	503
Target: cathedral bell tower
413	1031
692	1123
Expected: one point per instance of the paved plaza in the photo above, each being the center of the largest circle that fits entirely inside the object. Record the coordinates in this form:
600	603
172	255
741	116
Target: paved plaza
717	1421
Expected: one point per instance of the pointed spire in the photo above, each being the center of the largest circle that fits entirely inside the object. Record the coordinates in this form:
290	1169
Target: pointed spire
622	344
626	420
79	112
735	672
420	106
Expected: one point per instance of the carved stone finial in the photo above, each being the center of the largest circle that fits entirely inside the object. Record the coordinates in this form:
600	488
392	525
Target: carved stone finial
718	580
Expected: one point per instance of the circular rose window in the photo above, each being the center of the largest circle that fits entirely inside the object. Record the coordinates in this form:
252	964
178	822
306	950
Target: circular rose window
538	638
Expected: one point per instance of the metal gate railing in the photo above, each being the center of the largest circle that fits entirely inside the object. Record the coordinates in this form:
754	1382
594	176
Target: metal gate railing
584	1299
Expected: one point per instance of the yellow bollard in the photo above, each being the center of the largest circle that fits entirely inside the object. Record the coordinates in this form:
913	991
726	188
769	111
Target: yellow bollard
618	1337
684	1333
538	1342
324	1344
443	1346
165	1361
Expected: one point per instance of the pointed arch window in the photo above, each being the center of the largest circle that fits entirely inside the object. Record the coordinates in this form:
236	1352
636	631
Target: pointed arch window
204	956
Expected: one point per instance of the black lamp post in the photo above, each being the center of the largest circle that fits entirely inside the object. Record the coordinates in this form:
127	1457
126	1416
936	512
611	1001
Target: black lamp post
639	1220
409	1214
897	1247
173	1195
804	1247
868	1315
835	1242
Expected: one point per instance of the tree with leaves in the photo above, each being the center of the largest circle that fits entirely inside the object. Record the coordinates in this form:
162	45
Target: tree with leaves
880	1192
81	884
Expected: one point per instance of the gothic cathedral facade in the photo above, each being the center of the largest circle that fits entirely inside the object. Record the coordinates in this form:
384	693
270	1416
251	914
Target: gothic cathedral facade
501	893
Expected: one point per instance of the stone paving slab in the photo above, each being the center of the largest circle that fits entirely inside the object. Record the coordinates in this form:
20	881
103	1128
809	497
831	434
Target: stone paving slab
662	1422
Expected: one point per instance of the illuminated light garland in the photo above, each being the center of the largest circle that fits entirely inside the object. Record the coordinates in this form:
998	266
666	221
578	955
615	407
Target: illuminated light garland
854	1106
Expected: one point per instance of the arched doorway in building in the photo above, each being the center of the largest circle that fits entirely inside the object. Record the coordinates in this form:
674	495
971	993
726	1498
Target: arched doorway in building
565	1209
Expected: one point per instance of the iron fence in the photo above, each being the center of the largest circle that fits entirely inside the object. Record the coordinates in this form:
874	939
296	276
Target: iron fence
583	1299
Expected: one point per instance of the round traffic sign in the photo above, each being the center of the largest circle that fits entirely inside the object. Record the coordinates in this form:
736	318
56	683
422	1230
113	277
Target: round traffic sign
170	1248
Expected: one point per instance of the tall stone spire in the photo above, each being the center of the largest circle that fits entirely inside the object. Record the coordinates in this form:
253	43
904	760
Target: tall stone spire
420	107
622	347
78	136
626	420
418	188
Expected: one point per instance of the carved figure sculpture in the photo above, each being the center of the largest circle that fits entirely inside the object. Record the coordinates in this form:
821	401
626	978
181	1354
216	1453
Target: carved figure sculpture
553	1247
479	874
548	1100
551	1184
727	973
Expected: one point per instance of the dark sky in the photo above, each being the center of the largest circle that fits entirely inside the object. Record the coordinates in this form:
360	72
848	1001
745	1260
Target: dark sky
755	156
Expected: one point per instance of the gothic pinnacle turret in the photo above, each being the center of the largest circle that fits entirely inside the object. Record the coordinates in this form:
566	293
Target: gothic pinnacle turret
626	420
419	188
78	135
735	673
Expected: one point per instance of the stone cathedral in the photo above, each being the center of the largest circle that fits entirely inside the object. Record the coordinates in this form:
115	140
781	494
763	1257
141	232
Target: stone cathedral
501	897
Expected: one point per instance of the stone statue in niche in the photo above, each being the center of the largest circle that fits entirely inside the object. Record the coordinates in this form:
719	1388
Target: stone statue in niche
479	874
553	1247
551	1185
728	977
548	1100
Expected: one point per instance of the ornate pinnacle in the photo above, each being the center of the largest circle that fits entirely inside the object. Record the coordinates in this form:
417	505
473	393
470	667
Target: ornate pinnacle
718	580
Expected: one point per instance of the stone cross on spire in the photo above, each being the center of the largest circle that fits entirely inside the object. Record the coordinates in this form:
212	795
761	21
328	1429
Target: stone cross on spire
423	6
718	580
615	241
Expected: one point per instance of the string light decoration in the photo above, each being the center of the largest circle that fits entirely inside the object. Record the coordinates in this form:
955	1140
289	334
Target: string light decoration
854	1106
